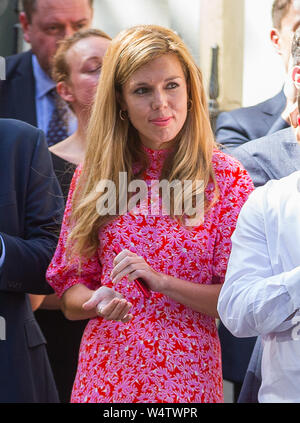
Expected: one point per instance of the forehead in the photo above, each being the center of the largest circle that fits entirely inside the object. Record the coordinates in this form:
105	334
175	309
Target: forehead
62	10
92	46
162	67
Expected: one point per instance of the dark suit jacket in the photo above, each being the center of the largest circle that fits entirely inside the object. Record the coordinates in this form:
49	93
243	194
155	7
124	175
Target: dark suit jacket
17	92
271	157
31	207
248	123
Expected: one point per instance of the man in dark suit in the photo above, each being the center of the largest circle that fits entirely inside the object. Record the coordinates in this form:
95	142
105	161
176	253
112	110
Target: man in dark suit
28	94
242	125
31	208
237	128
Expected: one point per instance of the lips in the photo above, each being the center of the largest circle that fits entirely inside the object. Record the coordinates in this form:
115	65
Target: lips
162	121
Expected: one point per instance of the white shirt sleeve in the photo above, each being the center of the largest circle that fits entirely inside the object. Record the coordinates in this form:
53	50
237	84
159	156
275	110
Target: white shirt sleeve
253	301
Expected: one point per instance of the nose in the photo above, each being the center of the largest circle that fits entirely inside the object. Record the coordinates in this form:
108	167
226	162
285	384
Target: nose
68	31
159	99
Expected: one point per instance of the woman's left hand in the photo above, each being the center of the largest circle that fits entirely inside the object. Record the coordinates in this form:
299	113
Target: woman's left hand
133	266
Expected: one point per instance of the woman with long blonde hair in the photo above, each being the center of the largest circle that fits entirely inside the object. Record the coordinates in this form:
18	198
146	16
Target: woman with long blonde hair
76	68
146	266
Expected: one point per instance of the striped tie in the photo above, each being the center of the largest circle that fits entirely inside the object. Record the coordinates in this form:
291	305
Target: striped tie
58	125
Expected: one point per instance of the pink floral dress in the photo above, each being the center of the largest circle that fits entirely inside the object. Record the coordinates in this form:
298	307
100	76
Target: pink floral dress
168	352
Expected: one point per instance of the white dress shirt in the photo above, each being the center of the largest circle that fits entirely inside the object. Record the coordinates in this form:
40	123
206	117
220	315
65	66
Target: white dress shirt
261	293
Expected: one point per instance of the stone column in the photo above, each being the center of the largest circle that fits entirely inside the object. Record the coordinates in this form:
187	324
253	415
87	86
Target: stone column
222	24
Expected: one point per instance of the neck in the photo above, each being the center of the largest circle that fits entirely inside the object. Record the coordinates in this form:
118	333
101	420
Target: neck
82	124
73	148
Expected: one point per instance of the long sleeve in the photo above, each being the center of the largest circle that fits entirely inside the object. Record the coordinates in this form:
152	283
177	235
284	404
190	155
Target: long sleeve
235	195
62	274
258	174
253	301
39	209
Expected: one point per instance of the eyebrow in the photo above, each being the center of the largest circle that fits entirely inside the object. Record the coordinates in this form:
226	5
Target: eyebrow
93	58
82	20
58	22
171	78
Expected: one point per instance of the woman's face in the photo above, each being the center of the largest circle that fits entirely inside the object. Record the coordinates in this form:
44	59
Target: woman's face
155	98
85	61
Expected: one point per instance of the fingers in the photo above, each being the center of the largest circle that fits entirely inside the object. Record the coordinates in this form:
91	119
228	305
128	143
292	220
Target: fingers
116	309
109	304
124	264
127	318
102	294
92	302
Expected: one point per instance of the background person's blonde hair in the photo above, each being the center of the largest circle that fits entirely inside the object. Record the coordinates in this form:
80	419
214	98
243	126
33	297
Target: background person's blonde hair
60	67
113	144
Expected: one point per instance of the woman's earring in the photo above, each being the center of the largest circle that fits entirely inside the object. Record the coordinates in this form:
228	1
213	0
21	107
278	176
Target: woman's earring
189	105
122	115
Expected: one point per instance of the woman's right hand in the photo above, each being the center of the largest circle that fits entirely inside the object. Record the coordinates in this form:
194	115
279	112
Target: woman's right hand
109	304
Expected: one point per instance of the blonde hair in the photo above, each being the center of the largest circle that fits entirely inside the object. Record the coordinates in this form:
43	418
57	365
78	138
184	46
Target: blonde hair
113	144
60	67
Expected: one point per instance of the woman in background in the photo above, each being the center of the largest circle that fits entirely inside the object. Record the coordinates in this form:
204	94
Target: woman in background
150	122
76	69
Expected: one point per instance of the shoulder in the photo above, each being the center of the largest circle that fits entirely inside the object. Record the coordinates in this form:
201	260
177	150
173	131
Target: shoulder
274	201
20	136
282	189
17	60
229	172
266	144
226	165
275	198
14	127
267	150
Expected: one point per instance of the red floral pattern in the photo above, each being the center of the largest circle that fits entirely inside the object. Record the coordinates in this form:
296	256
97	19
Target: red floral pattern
168	352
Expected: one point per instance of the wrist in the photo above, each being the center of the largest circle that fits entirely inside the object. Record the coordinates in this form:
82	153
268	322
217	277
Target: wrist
164	283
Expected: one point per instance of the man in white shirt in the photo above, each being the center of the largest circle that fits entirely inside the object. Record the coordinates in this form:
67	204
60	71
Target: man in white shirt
261	293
